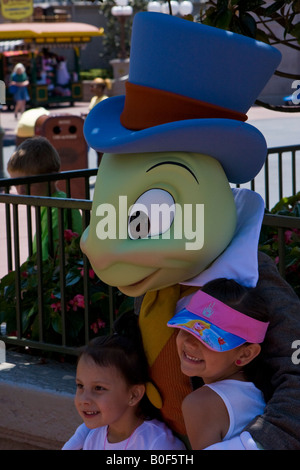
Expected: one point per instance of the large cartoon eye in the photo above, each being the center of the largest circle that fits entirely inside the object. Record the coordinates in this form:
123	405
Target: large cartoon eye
152	214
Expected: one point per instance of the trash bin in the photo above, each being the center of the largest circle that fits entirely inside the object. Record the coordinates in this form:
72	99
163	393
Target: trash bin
65	133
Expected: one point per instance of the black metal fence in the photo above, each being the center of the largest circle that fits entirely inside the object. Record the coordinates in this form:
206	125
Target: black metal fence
37	202
288	161
23	264
31	284
280	175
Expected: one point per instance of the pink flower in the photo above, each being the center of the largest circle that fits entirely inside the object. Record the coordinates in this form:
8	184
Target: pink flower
94	327
100	323
97	325
56	306
77	301
69	235
91	273
288	236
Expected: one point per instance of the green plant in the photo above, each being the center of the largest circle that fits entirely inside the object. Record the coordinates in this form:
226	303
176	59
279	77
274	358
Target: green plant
95	73
269	243
255	18
274	22
98	320
113	30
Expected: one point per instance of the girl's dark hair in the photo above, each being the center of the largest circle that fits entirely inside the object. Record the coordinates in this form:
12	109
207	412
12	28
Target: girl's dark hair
249	302
243	299
124	351
35	156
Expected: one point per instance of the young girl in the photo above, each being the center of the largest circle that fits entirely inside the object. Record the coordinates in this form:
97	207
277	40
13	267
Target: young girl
19	81
220	332
112	376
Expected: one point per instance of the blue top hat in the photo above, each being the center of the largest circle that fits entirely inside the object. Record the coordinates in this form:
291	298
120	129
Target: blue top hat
190	87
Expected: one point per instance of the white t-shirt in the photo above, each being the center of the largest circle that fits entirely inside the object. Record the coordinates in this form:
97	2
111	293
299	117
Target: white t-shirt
243	402
150	435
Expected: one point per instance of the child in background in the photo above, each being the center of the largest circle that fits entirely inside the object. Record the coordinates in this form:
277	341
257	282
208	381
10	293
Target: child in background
36	156
219	336
19	81
98	87
112	377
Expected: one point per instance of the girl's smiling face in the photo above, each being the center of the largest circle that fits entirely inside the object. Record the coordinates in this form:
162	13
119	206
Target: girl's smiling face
197	360
102	396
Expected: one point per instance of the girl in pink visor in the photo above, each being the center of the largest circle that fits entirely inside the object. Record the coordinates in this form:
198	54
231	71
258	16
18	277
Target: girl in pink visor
219	340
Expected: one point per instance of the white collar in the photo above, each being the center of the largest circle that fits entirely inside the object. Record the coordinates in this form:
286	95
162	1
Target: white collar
239	260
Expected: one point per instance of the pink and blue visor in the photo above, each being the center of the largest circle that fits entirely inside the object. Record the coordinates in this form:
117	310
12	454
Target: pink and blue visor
216	325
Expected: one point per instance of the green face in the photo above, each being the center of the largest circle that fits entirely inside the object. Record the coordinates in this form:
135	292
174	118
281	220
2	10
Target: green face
157	219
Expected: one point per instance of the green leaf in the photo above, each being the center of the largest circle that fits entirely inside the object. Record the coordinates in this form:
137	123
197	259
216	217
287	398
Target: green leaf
222	4
248	24
56	322
127	305
72	277
262	36
74	323
210	16
274	7
223	19
98	296
7	280
295	31
296	6
26	317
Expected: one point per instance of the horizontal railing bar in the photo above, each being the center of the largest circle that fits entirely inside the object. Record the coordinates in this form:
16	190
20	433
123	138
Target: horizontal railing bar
41	346
286	148
63	175
281	221
43	201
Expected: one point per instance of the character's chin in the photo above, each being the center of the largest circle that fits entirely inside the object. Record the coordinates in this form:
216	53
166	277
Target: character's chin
139	287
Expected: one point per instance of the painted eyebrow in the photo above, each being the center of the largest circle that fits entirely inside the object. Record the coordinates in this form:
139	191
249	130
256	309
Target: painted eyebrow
174	163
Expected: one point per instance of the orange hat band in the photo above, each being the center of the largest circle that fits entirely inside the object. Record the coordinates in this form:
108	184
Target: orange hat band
148	107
